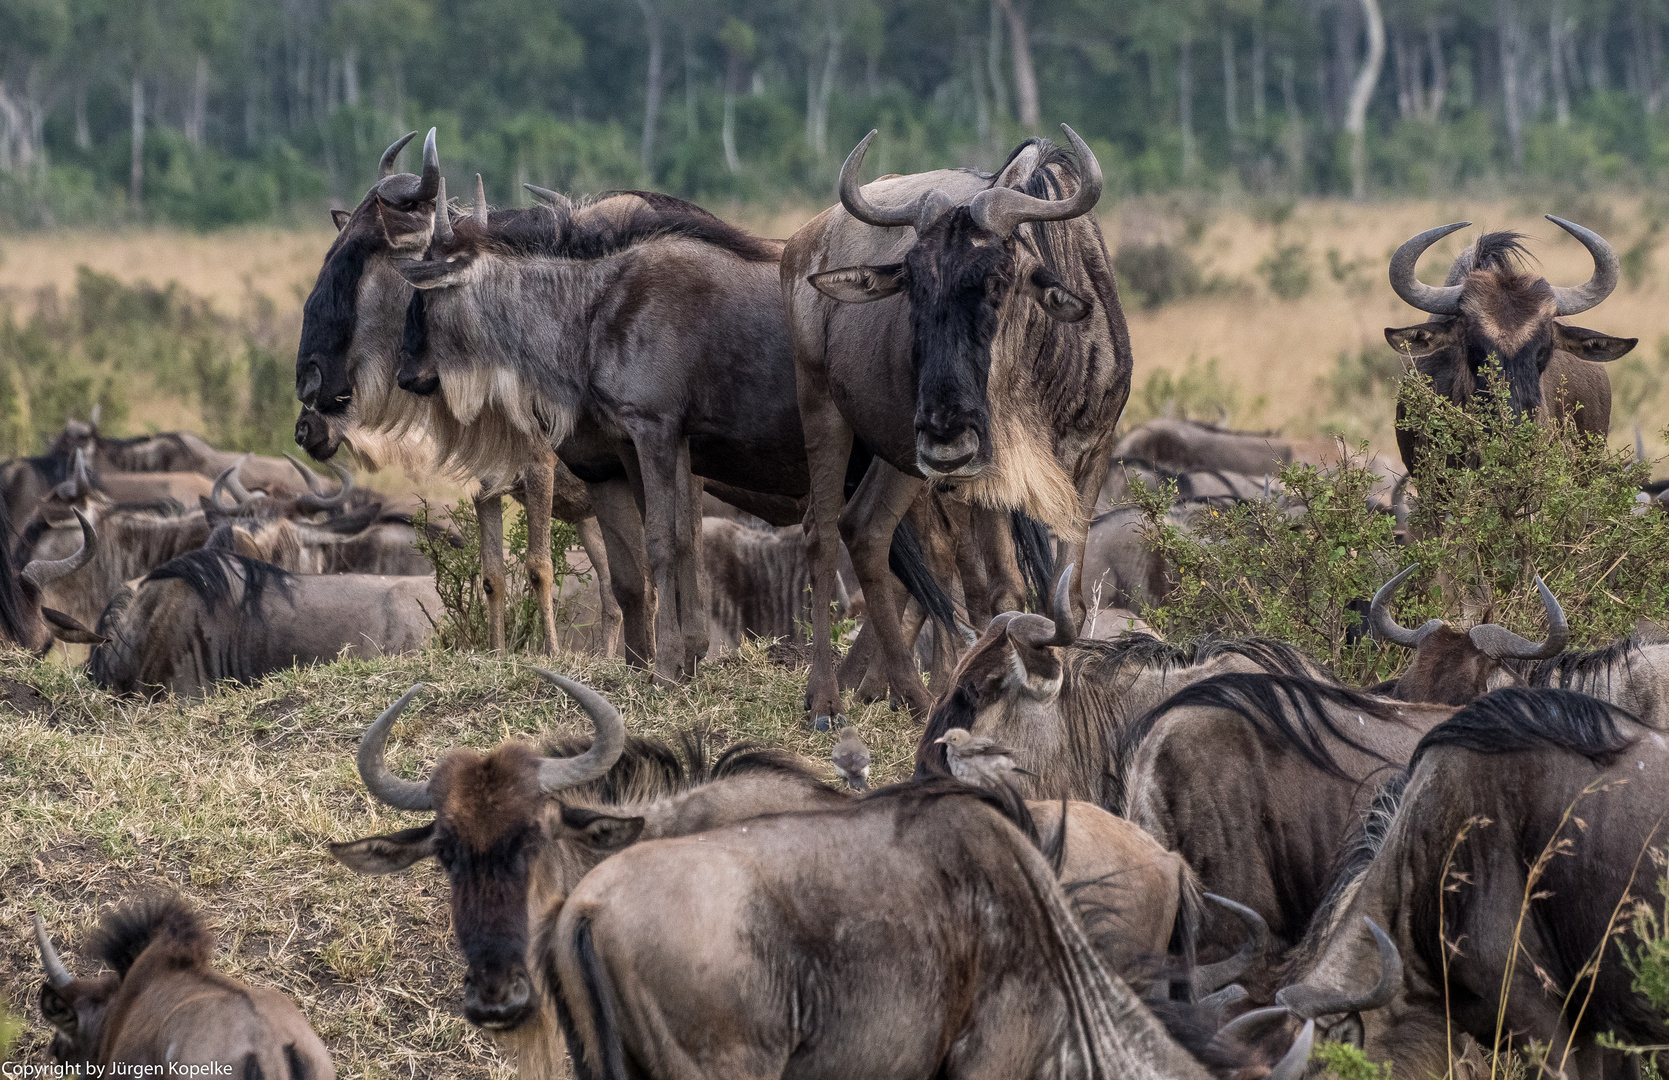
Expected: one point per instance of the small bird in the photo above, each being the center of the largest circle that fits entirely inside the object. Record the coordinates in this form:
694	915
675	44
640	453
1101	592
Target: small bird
851	759
979	759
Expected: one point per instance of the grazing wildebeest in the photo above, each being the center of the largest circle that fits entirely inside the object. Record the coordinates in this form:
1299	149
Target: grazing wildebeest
130	487
1258	780
24	620
163	1007
1487	794
171	452
985	351
211	616
918	932
1491	305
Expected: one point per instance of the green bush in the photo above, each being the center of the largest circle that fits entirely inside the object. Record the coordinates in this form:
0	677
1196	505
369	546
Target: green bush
1347	1062
1288	271
1156	274
1198	392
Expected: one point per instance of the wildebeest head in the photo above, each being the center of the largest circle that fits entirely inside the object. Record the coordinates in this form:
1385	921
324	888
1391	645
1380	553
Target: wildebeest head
492	815
1451	667
23	619
968	269
395	218
1492	305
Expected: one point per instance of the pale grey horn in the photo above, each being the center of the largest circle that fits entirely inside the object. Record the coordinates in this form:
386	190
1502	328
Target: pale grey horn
443	216
42	572
318	499
553	199
308	476
1247	1023
1438	300
373	766
385	167
918	213
1384	627
234	484
1502	644
608	739
57	975
430	184
1309	1002
1066	631
93	420
1213	977
1607	269
1056	629
479	212
1297	1060
1001	210
219	486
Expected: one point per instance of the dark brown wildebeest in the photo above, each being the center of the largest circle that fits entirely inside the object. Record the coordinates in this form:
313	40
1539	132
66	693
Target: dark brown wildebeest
1258	781
211	616
917	932
984	351
1490	305
163	1007
758	583
24	620
1486	794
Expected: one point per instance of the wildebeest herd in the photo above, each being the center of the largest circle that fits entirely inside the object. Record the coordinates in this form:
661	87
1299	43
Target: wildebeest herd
1117	857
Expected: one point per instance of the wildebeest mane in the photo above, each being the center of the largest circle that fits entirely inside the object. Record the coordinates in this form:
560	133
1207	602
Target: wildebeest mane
414	338
165	920
1515	718
913	797
210	574
1569	670
534	231
653	768
1499	251
329	314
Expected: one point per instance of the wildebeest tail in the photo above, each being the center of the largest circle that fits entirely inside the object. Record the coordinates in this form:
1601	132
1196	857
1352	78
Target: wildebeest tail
1034	551
908	563
597	995
1185	933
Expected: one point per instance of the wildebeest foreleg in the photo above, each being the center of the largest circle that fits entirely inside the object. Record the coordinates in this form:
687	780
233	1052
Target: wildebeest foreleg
1006	588
867	525
970	563
828	445
591	539
489	515
663	464
537	481
693	584
621	524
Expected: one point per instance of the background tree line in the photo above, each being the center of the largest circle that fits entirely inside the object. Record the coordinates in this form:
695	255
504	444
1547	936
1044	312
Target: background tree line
209	112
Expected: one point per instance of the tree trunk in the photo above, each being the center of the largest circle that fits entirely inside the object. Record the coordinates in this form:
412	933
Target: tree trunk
1025	75
1508	35
819	89
1356	120
994	62
1439	74
1293	135
732	79
1556	32
1405	67
652	89
136	161
350	76
83	134
692	122
198	109
1185	104
1260	78
1230	112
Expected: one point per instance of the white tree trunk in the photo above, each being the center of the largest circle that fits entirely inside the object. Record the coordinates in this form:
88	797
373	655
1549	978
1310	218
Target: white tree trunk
1185	104
1356	116
136	162
1025	75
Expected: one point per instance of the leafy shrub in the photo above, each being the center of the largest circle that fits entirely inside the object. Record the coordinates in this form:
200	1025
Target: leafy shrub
1347	1061
1288	271
1196	393
1156	274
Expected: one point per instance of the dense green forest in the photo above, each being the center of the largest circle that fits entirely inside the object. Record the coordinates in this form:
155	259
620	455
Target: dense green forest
208	112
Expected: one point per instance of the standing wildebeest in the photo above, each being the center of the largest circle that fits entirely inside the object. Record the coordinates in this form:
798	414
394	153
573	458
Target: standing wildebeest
916	933
1488	794
210	616
162	1006
1490	305
965	328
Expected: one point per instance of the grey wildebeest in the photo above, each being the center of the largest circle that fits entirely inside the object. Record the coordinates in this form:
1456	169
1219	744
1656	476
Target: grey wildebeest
173	452
1470	938
211	616
162	1005
967	330
1490	305
917	932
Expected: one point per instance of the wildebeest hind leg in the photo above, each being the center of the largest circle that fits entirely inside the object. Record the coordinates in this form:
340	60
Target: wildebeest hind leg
537	481
591	539
622	527
663	461
489	515
828	446
867	526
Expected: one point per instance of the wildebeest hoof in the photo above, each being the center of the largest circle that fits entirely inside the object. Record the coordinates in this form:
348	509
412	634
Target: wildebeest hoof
821	723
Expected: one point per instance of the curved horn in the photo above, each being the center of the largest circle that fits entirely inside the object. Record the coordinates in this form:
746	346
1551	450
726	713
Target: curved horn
1040	632
1296	1060
219	486
42	572
1309	1002
430	183
57	975
234	484
385	167
1438	300
443	216
1249	1022
321	501
1385	628
553	199
308	476
918	214
479	212
607	741
1607	268
1213	977
1502	644
1003	209
373	767
1066	631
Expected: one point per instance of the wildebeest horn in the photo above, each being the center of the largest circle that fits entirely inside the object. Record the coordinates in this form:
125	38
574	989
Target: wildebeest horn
919	213
553	199
1003	209
1606	269
385	167
1438	300
480	209
1248	1022
373	767
1386	628
219	486
317	498
431	169
93	419
234	484
1297	1059
308	476
79	483
42	572
57	975
443	216
1309	1002
1213	977
1061	629
607	741
1503	644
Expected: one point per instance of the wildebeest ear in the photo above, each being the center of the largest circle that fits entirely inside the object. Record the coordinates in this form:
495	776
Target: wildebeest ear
1591	344
860	284
66	628
601	831
434	273
340	217
386	854
1425	338
1056	300
57	1010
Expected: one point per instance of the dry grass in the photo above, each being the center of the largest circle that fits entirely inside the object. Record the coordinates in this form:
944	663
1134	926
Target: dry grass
232	798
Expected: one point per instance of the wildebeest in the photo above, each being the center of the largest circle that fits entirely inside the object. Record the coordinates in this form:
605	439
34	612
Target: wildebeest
758	583
917	932
163	1006
1519	779
24	620
212	616
1491	305
985	352
171	452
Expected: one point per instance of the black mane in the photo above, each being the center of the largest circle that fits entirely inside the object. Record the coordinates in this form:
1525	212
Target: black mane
1560	671
1500	251
535	231
1513	719
12	609
126	932
650	768
210	575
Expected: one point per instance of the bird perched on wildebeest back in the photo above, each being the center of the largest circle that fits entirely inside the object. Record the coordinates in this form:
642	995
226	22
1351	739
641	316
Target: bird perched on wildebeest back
851	759
979	759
